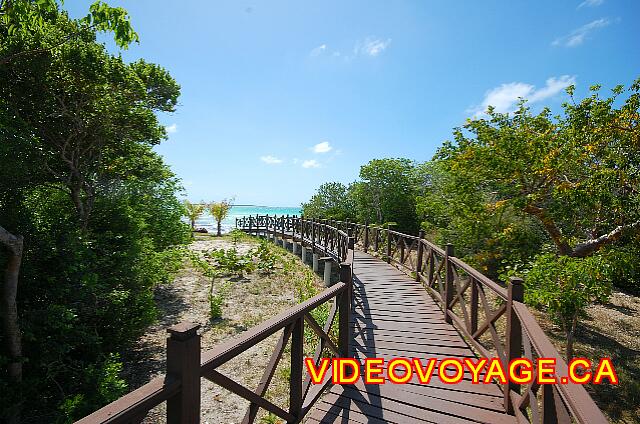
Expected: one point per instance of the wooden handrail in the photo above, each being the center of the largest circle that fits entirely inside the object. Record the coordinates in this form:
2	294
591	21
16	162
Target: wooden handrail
449	280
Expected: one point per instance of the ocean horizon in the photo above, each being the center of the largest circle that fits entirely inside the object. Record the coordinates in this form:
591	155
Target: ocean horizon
237	211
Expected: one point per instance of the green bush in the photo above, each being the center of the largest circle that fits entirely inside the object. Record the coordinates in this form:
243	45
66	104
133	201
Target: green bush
231	262
216	300
265	256
564	286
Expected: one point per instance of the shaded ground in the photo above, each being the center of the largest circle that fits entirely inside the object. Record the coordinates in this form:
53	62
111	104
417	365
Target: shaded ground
250	300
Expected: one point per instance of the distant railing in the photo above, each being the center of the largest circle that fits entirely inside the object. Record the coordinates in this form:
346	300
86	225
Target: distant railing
324	235
186	364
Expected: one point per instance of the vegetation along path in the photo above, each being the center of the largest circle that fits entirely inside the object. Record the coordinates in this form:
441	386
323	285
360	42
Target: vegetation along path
244	302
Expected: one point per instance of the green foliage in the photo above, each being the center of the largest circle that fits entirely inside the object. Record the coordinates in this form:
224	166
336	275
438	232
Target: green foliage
331	201
96	205
193	211
231	262
387	192
265	256
565	286
271	418
217	299
237	235
219	211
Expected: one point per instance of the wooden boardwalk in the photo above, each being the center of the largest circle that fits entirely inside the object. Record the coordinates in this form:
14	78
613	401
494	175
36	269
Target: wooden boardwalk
427	305
393	316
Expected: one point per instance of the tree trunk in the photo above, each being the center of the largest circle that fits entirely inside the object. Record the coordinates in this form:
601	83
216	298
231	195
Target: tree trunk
14	247
219	228
571	332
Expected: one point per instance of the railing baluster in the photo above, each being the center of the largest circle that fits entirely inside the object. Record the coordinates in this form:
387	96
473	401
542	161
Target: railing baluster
388	253
345	310
474	305
366	236
448	288
515	293
295	382
419	255
183	363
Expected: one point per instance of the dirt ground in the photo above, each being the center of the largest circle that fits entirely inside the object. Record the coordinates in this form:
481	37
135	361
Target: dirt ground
609	330
249	301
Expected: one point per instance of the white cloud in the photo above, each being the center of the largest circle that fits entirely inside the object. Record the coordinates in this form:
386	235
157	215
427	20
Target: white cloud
577	36
505	97
590	3
171	129
323	147
271	160
371	46
318	50
311	163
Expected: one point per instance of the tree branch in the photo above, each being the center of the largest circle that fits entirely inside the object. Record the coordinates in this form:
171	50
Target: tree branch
551	227
588	247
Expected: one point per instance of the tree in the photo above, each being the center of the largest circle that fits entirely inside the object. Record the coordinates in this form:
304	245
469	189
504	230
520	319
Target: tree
492	237
14	246
387	192
331	201
219	211
24	20
96	206
575	173
194	210
564	287
86	110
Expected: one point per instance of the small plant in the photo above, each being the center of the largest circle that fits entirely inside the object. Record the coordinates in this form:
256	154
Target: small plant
230	261
265	256
271	418
217	300
236	236
564	287
219	211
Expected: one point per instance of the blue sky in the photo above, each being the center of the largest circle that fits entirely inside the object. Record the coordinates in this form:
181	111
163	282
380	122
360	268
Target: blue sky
281	96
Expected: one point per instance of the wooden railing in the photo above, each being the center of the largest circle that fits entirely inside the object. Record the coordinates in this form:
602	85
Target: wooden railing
331	237
492	318
186	364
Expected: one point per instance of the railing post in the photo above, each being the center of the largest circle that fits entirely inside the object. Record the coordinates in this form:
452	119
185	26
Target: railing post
515	293
432	267
375	239
313	235
448	288
366	236
249	224
388	252
183	363
420	254
344	309
282	224
474	305
295	381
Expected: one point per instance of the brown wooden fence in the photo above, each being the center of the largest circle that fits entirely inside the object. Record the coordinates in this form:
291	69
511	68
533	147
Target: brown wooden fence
492	318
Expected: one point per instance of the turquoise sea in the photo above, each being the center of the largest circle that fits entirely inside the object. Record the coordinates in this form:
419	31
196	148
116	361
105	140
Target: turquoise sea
207	221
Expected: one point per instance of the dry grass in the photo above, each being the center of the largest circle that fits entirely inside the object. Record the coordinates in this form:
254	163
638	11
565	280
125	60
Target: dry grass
249	301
